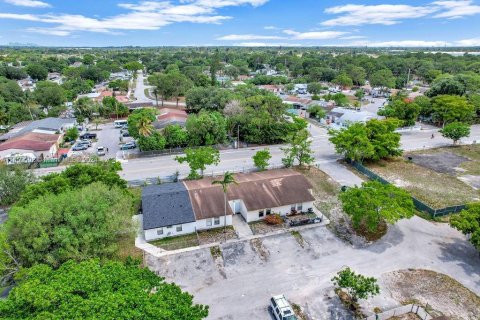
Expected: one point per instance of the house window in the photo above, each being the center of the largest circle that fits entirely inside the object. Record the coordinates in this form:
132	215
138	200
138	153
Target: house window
209	222
179	228
169	227
300	207
293	207
216	221
260	213
160	232
269	212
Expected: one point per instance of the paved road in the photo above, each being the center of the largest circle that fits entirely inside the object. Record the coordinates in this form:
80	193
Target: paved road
140	87
239	286
238	160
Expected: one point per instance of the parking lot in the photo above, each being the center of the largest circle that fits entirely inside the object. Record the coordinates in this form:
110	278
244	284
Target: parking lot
108	137
238	284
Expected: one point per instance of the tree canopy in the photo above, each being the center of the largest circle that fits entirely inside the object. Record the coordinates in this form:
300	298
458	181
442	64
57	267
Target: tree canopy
468	222
374	203
74	224
95	290
455	131
198	159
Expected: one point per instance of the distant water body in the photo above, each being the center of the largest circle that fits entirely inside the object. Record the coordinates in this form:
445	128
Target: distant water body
456	53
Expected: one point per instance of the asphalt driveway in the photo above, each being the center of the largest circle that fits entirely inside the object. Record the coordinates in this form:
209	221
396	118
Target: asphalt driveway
239	285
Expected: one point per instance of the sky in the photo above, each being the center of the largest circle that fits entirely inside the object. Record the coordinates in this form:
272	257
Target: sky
100	23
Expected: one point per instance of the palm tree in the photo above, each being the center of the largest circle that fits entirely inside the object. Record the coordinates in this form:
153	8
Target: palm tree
228	179
145	127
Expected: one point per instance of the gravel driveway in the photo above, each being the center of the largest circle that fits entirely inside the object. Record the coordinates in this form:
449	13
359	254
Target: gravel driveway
241	287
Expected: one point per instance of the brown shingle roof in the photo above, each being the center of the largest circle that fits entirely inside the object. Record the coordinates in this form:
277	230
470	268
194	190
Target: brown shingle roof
267	189
31	141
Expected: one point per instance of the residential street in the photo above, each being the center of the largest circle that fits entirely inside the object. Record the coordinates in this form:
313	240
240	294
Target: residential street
235	287
241	159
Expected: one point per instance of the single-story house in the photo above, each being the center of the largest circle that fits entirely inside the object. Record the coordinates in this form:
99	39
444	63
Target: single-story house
47	125
272	88
170	116
185	207
343	117
41	145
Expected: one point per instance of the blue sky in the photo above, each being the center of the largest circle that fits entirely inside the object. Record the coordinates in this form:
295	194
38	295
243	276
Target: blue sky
240	22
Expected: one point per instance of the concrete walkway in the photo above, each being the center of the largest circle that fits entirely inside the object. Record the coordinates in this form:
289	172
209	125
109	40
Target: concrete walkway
241	226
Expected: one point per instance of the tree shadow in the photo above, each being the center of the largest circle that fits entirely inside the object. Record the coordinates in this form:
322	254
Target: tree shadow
462	253
392	238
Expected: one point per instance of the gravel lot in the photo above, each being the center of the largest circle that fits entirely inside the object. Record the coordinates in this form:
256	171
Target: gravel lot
239	284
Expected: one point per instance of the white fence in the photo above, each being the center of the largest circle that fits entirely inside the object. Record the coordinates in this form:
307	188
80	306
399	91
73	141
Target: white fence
411	308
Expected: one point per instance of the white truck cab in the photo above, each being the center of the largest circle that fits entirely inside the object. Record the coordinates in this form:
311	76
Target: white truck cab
281	309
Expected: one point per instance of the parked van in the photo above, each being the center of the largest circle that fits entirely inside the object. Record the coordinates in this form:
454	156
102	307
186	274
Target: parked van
281	309
120	123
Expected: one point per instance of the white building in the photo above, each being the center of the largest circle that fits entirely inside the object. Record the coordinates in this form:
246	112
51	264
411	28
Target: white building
185	207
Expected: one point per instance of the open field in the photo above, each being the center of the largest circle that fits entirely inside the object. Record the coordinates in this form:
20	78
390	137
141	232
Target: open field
434	182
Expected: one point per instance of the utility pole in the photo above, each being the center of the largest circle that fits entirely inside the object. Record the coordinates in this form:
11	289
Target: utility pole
238	136
408	77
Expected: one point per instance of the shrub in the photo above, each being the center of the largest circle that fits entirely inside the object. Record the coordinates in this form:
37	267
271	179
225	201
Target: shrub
274	219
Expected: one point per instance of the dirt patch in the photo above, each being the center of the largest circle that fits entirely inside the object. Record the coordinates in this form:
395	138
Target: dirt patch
441	162
438	190
216	235
260	249
217	256
438	293
260	227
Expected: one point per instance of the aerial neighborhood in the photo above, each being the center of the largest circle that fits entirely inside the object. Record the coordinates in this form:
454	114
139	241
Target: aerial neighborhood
310	175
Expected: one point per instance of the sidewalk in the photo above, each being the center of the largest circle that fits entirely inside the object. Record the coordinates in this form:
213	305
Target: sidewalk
158	252
241	226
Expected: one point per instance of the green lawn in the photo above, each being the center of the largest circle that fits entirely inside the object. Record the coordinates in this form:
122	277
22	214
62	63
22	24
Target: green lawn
175	243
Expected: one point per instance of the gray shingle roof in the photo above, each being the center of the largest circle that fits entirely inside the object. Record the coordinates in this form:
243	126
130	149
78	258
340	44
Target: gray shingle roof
166	205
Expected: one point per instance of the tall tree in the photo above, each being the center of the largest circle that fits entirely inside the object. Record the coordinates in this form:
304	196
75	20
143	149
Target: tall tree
227	180
456	131
447	109
374	203
299	149
382	78
199	159
145	127
261	158
13	182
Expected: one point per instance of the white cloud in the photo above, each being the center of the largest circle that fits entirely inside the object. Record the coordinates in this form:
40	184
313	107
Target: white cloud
241	37
473	42
314	35
266	44
399	43
454	9
270	28
386	14
144	15
352	37
28	3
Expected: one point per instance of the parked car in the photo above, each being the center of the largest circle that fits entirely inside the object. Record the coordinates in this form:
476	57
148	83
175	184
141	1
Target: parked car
85	141
88	135
125	134
128	145
101	151
281	309
80	147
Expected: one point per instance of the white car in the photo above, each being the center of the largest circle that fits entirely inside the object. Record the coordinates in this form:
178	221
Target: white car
101	151
281	309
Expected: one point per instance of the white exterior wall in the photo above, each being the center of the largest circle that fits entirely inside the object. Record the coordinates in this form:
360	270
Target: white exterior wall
283	210
202	224
151	234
